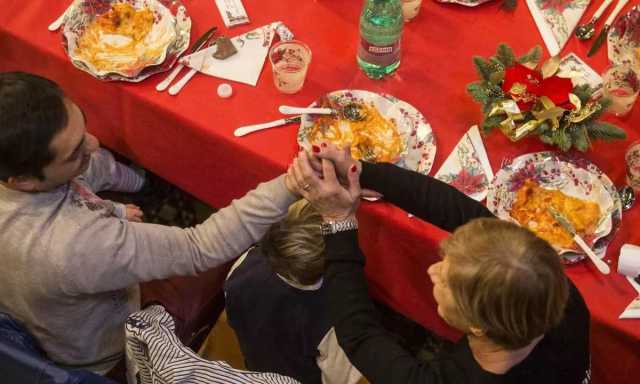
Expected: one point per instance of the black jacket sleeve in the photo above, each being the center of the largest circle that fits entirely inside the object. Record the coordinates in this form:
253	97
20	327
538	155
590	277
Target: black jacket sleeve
367	344
425	197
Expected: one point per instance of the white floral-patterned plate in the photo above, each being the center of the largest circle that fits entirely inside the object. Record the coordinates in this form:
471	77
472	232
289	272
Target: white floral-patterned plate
419	141
168	39
623	40
466	3
573	176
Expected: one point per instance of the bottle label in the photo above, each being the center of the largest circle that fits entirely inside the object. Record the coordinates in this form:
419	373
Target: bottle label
379	50
380	55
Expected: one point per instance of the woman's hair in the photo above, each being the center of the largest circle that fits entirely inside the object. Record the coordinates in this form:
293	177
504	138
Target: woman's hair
295	247
32	112
505	280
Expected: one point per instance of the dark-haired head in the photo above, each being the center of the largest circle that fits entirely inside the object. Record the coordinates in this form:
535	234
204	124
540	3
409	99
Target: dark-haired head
43	138
32	112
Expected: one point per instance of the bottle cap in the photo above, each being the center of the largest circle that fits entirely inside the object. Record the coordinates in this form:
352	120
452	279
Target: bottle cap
225	90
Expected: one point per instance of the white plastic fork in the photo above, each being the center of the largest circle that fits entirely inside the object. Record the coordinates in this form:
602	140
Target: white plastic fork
164	84
177	87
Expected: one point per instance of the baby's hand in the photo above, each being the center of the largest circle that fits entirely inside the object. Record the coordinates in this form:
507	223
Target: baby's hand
133	213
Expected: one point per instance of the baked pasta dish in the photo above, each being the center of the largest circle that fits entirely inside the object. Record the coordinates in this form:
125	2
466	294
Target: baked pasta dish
530	210
372	136
117	40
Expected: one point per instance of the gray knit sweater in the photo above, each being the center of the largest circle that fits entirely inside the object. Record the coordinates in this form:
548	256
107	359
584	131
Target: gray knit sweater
70	266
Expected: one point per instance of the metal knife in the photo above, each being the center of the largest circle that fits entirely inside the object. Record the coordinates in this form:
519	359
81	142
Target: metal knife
605	29
566	224
202	40
257	127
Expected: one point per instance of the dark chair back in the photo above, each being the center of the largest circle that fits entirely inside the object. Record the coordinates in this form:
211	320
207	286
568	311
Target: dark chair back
22	360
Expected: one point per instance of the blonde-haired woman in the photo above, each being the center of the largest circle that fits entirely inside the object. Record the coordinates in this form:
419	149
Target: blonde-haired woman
505	288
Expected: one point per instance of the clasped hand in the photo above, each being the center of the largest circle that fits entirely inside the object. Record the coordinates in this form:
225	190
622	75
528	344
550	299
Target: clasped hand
329	179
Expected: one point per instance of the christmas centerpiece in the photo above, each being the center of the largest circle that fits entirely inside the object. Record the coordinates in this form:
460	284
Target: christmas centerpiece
522	98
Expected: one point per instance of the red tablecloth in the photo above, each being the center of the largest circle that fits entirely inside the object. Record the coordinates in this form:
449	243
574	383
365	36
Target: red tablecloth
188	139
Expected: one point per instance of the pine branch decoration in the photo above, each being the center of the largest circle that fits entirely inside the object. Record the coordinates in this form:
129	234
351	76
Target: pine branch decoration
533	56
482	67
565	133
605	131
505	55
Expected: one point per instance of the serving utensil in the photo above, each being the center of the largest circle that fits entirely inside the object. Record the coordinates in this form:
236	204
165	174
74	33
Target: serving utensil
566	224
607	25
351	111
202	40
258	127
586	31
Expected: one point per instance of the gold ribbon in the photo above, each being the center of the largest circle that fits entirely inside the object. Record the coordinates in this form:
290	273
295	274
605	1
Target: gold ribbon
511	126
580	113
546	110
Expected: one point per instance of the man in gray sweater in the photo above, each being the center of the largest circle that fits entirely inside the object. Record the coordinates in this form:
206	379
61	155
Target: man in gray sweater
70	262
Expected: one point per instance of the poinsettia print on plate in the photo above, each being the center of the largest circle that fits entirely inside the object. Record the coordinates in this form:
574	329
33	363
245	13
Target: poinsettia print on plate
623	40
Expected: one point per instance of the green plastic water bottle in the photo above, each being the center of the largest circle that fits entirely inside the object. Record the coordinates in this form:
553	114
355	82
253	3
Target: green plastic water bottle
381	25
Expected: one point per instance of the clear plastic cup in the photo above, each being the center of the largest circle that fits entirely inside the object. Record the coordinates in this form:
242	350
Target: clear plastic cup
410	9
289	61
621	86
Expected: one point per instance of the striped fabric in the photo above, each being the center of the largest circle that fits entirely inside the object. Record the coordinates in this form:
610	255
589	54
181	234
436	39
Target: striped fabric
155	355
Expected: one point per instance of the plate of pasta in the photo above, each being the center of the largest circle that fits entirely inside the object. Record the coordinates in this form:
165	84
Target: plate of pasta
384	129
524	190
126	39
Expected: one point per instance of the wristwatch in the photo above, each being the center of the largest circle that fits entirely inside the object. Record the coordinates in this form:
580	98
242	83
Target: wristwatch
332	227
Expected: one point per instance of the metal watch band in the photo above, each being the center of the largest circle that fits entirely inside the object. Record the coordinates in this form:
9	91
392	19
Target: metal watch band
338	226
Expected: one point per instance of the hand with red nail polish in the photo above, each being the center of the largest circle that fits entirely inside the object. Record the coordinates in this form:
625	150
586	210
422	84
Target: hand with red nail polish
331	199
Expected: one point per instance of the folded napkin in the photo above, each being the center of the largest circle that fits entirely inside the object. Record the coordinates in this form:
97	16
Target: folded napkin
246	65
629	260
629	265
574	68
632	311
467	168
556	20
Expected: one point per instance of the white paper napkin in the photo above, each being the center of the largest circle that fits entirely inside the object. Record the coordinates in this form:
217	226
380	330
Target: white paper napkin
467	168
245	66
574	68
629	265
629	260
556	20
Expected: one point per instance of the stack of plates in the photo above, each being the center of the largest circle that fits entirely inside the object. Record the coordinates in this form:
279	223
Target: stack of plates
113	56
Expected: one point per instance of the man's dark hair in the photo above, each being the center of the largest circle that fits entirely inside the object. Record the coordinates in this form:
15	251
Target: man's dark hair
32	112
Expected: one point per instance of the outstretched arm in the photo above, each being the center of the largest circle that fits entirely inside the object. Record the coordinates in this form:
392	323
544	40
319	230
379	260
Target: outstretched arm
423	196
420	195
